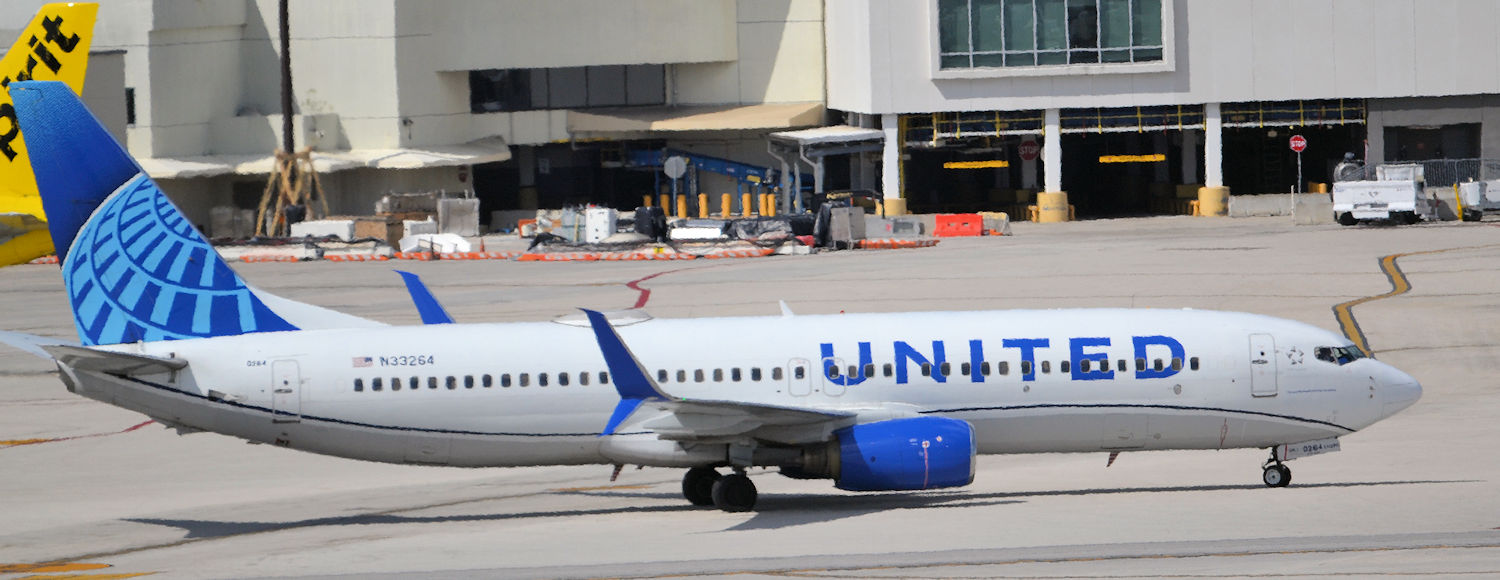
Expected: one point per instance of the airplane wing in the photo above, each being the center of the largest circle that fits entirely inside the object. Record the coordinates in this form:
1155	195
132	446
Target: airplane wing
115	363
703	420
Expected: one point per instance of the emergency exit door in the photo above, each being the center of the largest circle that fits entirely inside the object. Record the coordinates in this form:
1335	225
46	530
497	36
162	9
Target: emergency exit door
1262	365
286	392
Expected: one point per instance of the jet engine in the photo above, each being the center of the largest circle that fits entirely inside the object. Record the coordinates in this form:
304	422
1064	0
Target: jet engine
893	455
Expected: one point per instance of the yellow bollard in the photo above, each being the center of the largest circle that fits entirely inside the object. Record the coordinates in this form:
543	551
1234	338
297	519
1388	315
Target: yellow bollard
666	203
770	205
646	200
1052	206
747	208
1213	201
703	205
682	206
726	205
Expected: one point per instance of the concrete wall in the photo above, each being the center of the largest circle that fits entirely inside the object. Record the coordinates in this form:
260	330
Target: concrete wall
1430	112
882	57
780	58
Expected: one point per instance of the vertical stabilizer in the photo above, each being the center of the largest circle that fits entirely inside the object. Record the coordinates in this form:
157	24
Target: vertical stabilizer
136	269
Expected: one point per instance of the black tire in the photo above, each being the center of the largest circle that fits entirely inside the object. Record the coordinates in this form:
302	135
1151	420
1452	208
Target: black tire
1347	219
1410	217
698	485
1277	476
735	493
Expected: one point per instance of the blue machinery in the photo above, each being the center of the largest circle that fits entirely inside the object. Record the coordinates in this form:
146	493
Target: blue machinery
746	177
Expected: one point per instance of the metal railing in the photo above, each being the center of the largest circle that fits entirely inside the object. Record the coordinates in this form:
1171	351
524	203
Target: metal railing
1433	172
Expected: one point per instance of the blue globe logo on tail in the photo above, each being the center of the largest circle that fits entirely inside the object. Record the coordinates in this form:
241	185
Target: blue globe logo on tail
139	271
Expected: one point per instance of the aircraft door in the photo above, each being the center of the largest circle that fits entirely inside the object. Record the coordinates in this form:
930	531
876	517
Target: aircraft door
834	377
1263	365
798	377
286	392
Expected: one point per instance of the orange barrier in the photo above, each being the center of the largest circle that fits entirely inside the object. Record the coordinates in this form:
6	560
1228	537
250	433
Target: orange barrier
478	255
419	256
755	253
892	244
269	259
355	257
957	224
44	260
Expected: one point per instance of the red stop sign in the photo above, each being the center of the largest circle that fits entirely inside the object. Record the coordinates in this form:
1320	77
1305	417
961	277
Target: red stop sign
1298	143
1028	150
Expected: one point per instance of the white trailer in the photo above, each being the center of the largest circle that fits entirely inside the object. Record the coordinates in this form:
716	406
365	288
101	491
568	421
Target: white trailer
1478	197
1396	194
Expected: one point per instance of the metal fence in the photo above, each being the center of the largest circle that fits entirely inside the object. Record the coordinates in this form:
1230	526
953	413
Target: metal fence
1433	172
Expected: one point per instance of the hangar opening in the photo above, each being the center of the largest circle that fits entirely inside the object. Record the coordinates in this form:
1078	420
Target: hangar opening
1257	153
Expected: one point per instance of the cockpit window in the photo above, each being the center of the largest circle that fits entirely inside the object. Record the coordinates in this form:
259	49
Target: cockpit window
1339	355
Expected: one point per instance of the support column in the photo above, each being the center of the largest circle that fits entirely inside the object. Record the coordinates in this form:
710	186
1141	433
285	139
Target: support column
890	166
1052	202
1213	197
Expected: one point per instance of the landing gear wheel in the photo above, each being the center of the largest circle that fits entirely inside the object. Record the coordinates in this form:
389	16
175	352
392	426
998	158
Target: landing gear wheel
1347	219
1276	475
698	485
734	493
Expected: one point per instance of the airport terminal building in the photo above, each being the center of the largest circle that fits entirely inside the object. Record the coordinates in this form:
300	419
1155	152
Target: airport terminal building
1116	107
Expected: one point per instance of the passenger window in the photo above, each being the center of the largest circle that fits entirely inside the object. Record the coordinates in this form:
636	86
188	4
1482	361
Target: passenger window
1003	367
984	368
886	369
505	380
562	379
832	371
487	382
926	369
718	375
681	376
776	374
697	375
1062	367
1083	365
1157	365
603	377
755	374
1025	367
1176	363
414	383
869	370
395	383
468	381
799	372
661	375
541	379
734	374
432	382
1122	366
1047	366
853	371
375	384
964	369
1140	364
359	385
452	383
525	379
583	378
1193	363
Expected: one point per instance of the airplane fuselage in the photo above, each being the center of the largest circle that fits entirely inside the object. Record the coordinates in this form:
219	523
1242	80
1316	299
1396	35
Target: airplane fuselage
538	393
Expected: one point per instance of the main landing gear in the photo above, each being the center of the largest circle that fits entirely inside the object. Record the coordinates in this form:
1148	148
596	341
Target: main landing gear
1275	473
731	493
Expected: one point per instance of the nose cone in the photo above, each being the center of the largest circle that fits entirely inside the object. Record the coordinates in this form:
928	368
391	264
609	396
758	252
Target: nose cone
1398	390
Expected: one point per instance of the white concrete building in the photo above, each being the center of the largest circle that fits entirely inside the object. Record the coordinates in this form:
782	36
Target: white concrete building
526	103
1136	103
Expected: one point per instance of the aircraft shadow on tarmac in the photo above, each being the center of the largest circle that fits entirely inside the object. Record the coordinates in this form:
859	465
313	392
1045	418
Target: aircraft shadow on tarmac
774	511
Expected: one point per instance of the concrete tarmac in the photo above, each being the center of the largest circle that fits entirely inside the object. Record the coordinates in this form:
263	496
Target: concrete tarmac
85	489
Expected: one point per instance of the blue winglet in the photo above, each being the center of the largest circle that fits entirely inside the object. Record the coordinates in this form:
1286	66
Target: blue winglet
631	379
427	304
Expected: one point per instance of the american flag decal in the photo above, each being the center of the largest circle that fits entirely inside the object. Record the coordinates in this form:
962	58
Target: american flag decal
363	361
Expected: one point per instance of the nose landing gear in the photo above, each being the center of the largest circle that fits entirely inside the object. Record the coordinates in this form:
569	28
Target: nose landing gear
1275	473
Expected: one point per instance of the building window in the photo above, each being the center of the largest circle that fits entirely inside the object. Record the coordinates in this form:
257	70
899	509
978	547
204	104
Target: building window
1012	33
130	106
579	87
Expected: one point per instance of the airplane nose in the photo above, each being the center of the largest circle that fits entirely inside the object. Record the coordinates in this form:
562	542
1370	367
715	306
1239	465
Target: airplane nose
1398	391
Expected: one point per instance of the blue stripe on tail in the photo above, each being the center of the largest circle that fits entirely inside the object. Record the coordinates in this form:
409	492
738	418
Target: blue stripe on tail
134	266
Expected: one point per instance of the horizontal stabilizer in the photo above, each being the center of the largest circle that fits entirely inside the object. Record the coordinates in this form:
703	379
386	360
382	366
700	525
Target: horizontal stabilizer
31	343
115	363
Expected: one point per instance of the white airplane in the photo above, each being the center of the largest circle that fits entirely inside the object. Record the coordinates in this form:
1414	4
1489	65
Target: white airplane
872	401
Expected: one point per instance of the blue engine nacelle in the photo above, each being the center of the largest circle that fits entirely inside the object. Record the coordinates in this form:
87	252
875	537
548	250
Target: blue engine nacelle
905	454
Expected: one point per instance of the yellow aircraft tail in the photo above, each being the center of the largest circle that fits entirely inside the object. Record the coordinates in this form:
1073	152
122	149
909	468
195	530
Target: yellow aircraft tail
54	47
